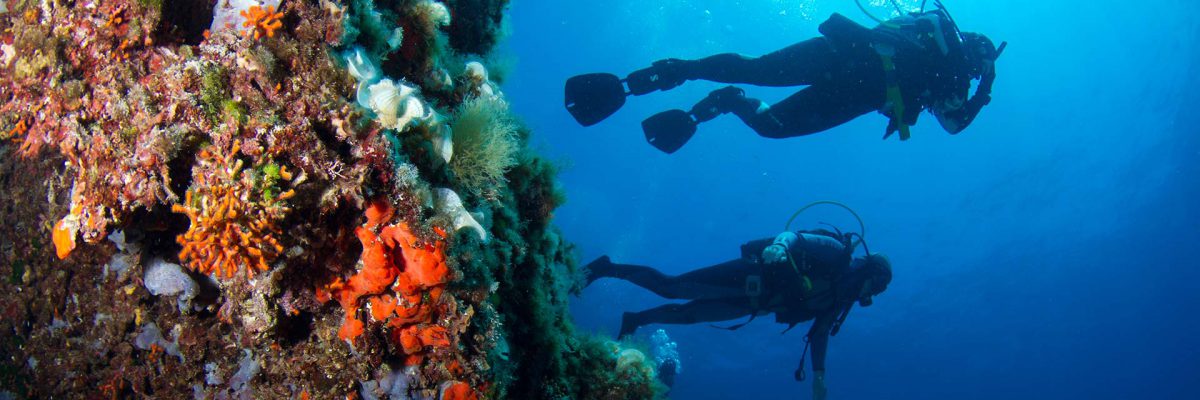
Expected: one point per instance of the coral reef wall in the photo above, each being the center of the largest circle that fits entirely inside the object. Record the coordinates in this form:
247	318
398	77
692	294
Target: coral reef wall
264	199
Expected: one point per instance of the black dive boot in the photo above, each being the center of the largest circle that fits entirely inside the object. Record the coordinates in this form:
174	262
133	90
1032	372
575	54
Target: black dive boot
669	130
721	101
661	75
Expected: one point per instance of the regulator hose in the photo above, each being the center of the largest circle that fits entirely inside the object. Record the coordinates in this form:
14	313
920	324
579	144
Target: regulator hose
862	228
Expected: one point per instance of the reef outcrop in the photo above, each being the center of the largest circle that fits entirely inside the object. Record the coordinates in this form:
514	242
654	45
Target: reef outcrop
261	199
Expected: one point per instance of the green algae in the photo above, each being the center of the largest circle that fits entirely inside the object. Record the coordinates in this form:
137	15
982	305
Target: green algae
485	143
18	270
269	178
234	110
151	4
214	91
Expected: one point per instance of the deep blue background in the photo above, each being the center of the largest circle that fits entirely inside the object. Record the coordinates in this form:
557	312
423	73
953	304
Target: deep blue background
1047	252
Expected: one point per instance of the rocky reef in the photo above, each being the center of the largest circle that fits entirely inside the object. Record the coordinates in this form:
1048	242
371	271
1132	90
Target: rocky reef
280	199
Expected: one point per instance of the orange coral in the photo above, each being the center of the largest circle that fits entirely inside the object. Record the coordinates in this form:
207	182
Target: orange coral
122	50
64	239
117	18
18	130
65	231
402	281
261	21
230	228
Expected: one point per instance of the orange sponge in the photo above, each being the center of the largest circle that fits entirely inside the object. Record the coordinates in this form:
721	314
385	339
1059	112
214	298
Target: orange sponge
459	391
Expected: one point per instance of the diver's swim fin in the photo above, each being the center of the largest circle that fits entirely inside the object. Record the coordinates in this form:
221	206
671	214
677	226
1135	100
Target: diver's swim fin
591	98
669	130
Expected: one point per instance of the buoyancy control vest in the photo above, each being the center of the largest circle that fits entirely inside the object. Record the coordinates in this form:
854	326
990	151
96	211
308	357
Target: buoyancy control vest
816	260
916	51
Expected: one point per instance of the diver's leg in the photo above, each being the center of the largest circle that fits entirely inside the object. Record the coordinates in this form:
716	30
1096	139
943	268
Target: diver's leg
718	281
803	63
708	310
811	110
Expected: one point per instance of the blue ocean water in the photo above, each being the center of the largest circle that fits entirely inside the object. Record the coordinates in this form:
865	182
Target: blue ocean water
1047	252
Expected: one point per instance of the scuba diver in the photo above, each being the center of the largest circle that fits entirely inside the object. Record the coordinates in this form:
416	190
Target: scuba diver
798	276
901	67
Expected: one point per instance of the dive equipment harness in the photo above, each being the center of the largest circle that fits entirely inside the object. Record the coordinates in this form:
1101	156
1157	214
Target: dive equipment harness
754	283
948	39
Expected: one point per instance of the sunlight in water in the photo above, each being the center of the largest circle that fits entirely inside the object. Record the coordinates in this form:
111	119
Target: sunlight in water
808	9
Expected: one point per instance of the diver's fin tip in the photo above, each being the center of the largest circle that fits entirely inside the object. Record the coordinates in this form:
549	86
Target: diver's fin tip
590	98
669	130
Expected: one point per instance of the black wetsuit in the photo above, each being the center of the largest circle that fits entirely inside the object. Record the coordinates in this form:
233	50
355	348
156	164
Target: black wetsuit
845	77
747	287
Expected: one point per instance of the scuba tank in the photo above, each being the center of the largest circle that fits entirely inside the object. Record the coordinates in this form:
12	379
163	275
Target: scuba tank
842	30
932	30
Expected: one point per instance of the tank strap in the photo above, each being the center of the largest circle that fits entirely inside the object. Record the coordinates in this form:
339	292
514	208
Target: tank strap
895	99
738	326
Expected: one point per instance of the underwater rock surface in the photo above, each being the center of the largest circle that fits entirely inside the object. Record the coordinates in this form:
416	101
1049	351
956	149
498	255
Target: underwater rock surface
274	187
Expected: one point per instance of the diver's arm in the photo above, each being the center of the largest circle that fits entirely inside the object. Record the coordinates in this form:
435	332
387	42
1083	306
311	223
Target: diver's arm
957	119
778	250
822	249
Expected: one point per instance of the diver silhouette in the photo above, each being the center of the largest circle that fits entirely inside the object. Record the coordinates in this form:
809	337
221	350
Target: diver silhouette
901	67
798	276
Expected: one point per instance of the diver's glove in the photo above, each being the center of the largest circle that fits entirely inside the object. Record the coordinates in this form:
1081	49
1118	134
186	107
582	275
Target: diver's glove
983	92
819	391
662	75
777	252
